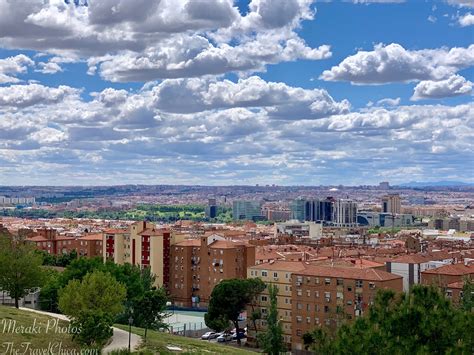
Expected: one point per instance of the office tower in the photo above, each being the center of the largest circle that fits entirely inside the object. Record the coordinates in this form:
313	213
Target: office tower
247	210
298	209
344	213
211	208
391	204
384	185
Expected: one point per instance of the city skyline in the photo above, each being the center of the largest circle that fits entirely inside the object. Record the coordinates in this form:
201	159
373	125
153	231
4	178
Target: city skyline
219	93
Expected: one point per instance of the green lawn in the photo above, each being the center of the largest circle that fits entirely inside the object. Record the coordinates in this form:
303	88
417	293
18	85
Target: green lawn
45	335
157	342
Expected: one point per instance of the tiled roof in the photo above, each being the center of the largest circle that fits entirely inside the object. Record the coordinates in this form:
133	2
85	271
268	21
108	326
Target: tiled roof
456	269
349	273
282	265
189	243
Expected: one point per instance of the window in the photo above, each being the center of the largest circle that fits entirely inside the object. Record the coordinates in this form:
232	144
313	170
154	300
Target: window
316	321
308	307
349	288
316	280
327	281
299	306
449	293
308	320
308	293
372	285
326	309
264	298
327	296
264	311
299	292
340	282
275	274
359	283
264	273
339	295
316	294
316	307
299	319
298	332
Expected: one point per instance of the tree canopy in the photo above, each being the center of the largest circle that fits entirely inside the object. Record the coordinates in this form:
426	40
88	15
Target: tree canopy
20	267
93	304
228	299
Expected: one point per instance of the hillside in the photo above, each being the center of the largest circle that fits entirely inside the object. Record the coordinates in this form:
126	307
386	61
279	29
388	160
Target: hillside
27	332
158	341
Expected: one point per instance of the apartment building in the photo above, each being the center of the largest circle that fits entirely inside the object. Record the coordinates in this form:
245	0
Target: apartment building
447	274
49	241
411	266
279	273
197	265
326	295
144	245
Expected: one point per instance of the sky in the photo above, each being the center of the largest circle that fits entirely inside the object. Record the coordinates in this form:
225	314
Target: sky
216	92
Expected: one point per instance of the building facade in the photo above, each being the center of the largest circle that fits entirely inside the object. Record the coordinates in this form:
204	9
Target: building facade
197	265
325	295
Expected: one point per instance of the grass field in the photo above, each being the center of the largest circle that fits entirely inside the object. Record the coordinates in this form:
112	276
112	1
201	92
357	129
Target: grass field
157	342
23	332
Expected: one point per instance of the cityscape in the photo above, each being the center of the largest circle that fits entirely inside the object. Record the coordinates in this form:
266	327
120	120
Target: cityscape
236	177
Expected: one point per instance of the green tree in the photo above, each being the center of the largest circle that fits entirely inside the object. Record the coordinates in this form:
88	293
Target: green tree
272	339
93	304
421	322
467	300
150	310
228	299
20	268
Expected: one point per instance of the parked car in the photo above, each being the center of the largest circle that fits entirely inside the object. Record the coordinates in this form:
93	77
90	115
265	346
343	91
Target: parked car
224	337
209	336
239	335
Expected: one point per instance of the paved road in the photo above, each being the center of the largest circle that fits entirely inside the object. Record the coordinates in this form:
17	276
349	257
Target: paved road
119	339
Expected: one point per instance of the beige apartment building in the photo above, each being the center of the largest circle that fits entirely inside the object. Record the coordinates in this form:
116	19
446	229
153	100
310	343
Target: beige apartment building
197	265
144	245
279	273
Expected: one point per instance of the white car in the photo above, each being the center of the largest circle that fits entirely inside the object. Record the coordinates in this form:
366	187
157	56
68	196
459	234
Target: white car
209	336
224	337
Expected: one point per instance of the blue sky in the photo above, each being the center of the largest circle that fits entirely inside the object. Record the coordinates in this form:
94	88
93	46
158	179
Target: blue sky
216	92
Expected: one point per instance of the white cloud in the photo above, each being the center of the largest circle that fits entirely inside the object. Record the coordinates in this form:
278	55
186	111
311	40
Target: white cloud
49	68
12	66
389	102
455	85
278	99
393	63
461	3
466	20
161	39
19	96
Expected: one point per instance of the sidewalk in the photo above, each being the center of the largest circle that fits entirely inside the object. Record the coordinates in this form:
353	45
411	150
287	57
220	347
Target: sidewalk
119	338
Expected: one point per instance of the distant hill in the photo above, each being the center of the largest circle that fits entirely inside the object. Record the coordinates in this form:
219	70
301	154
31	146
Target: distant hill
435	184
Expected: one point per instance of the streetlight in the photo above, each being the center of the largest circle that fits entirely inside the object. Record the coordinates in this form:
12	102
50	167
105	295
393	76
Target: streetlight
130	321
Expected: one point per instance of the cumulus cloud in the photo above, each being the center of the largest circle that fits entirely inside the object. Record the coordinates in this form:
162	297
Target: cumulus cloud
49	68
455	85
230	134
12	66
21	96
393	63
161	39
466	20
278	99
